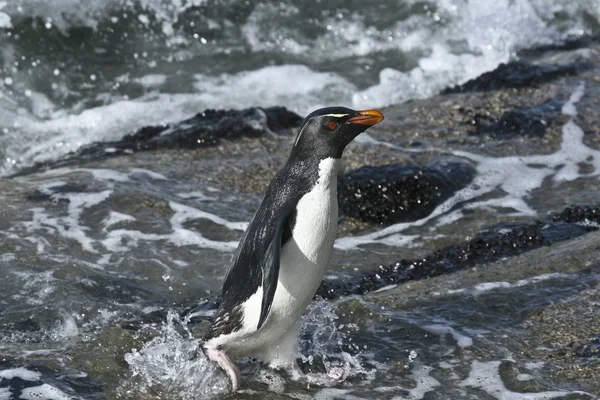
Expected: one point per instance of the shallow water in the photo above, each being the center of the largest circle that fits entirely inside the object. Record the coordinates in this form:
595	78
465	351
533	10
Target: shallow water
100	261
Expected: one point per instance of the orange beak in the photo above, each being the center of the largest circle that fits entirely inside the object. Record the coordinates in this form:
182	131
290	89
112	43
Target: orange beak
367	117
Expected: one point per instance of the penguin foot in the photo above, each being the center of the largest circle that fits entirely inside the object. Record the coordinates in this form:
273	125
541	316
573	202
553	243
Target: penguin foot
225	363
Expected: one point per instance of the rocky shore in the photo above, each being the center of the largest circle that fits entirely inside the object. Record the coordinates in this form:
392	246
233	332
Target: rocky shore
399	173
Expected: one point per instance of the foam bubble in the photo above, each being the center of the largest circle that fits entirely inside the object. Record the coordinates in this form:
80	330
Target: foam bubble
21	373
45	392
5	394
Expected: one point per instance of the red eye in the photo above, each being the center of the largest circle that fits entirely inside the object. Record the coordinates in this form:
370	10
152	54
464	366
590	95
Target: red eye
332	125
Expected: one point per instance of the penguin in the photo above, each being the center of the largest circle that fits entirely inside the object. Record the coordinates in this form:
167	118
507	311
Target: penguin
281	259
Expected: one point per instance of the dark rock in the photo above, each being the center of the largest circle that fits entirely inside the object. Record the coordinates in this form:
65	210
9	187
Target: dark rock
488	246
397	193
571	43
527	121
588	350
205	129
28	325
516	74
578	214
493	244
45	195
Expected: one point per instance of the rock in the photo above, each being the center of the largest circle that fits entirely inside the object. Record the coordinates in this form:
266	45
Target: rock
526	121
499	242
517	74
488	246
579	214
398	192
589	350
205	129
562	331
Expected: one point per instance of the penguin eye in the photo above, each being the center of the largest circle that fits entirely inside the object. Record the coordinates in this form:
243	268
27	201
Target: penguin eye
332	125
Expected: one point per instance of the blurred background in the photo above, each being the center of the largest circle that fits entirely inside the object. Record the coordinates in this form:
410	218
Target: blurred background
73	72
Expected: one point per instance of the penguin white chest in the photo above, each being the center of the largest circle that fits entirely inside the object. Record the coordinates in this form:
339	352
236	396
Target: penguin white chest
305	257
317	214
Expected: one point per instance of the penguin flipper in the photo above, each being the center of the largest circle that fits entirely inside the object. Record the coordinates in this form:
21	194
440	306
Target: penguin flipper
270	263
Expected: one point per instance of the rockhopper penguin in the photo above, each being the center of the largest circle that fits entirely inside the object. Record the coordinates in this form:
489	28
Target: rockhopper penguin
281	259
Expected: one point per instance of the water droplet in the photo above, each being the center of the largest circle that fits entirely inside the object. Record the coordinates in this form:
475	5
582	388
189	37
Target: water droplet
56	72
8	80
92	77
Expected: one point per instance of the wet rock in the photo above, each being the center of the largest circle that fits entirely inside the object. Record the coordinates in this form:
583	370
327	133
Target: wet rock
517	74
526	121
205	129
496	243
28	325
588	350
488	246
45	195
398	192
578	214
560	328
571	43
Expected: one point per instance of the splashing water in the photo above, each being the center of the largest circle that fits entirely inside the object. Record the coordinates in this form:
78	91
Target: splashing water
171	365
324	339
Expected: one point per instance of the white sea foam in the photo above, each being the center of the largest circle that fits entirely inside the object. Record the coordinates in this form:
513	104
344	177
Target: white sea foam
70	226
463	341
271	86
35	140
21	373
485	375
46	392
487	286
152	80
180	236
5	393
196	195
516	176
115	218
5	21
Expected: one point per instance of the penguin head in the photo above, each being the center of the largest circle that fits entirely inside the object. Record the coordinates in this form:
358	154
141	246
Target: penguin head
326	132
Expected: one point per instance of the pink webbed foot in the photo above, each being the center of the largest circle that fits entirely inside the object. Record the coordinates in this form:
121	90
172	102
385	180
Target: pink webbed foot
225	363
